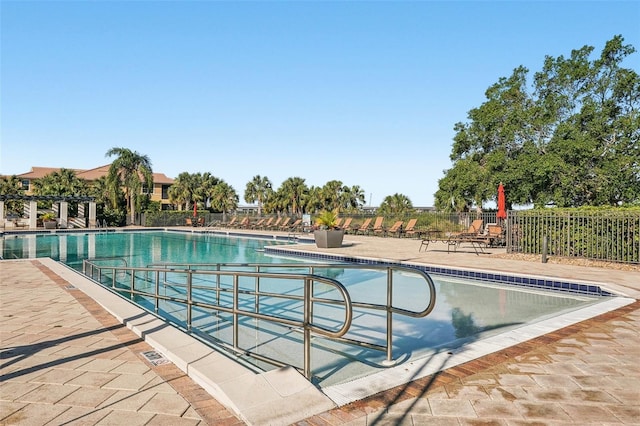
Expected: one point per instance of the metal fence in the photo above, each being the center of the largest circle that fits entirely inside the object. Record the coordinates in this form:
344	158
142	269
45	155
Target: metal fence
608	235
611	235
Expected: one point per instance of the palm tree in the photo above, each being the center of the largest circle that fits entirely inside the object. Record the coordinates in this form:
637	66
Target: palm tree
331	192
180	191
99	189
294	191
257	190
207	188
396	205
12	185
352	198
224	198
314	201
60	182
275	202
130	171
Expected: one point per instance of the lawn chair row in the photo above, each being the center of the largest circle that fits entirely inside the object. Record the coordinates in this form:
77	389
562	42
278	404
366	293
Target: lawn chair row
378	228
368	227
282	223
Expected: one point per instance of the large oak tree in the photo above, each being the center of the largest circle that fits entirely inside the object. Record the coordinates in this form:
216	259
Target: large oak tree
570	139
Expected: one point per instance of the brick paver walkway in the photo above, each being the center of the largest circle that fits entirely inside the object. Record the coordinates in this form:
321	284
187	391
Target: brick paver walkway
65	360
588	373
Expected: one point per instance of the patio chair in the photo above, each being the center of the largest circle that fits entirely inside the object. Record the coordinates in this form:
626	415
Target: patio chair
346	226
474	230
364	228
267	224
396	228
474	236
496	235
295	226
410	229
275	224
284	225
188	222
236	225
257	224
231	223
378	226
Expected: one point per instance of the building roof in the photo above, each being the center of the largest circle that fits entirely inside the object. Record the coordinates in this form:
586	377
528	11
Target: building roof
90	175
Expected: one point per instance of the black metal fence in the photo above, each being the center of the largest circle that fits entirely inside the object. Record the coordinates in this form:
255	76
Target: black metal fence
610	235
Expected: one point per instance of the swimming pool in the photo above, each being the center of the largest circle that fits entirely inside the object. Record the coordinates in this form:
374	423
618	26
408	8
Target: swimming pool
466	311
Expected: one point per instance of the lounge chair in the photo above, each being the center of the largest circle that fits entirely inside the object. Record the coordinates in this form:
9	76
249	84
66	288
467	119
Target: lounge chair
495	234
284	225
346	226
295	226
244	223
258	224
188	222
200	221
474	230
396	228
267	224
231	223
410	229
378	226
364	228
275	224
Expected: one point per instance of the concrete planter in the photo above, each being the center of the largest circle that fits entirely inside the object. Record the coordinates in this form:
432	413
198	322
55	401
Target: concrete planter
328	238
50	224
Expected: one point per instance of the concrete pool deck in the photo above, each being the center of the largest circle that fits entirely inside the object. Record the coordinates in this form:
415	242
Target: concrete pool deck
72	362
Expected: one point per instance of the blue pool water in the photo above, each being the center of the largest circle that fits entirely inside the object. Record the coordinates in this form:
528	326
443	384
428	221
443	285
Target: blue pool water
466	310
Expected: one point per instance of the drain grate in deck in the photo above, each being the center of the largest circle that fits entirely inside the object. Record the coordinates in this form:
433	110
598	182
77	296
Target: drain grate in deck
154	358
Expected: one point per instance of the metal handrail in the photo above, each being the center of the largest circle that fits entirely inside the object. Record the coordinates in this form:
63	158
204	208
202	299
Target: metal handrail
157	274
387	307
307	325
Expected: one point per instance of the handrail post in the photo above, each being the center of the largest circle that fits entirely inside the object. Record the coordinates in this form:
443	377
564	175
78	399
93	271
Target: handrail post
389	361
218	284
257	297
306	329
157	304
236	292
189	298
133	283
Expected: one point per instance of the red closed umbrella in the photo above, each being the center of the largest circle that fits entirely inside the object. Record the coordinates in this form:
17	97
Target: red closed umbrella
195	209
502	203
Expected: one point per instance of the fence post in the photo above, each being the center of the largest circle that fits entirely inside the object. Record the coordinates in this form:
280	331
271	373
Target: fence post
545	243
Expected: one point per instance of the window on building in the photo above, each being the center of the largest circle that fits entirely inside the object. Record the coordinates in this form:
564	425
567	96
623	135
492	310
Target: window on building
25	184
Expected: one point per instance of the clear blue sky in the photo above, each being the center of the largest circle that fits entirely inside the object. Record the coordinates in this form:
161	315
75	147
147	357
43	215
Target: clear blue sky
362	92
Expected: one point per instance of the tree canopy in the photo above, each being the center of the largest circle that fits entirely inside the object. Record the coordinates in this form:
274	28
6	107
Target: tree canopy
569	138
129	171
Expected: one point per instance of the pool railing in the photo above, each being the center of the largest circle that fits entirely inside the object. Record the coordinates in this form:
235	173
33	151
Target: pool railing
230	280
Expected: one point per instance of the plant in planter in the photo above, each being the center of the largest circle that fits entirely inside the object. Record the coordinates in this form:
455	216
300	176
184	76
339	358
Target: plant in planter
328	234
49	221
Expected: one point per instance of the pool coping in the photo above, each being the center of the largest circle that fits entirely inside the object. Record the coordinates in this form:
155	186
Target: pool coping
529	280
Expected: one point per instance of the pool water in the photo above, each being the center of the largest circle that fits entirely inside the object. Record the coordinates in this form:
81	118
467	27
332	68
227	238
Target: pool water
465	311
